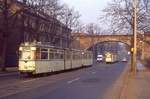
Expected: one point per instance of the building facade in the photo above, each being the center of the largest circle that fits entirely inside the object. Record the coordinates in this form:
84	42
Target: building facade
24	24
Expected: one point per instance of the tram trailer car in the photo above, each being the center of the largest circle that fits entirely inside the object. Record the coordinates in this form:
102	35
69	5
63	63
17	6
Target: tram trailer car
37	58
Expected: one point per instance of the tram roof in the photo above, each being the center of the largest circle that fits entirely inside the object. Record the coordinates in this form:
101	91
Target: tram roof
45	45
39	44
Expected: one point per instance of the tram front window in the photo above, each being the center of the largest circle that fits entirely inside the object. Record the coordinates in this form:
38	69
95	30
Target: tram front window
25	55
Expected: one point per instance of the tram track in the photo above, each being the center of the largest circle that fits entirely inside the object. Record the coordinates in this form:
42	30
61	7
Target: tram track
21	85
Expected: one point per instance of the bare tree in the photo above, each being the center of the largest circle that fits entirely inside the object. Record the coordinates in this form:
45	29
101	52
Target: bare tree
80	28
93	28
119	14
9	12
50	7
70	17
55	9
4	30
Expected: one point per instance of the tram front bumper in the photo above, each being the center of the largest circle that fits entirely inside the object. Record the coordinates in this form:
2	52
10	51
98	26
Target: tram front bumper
26	68
26	71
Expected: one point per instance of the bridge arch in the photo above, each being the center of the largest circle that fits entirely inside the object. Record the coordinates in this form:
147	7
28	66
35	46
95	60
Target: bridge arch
111	41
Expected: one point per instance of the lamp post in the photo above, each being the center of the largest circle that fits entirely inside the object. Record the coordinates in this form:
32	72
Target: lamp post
133	68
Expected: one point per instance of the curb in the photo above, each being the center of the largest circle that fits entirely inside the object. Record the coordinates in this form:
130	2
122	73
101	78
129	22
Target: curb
9	70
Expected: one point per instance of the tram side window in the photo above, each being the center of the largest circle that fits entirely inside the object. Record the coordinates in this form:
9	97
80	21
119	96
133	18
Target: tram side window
61	56
51	54
78	55
68	55
74	55
57	55
85	56
44	53
38	53
90	55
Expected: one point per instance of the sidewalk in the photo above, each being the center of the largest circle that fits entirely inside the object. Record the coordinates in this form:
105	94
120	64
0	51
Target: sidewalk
9	70
138	86
129	86
115	91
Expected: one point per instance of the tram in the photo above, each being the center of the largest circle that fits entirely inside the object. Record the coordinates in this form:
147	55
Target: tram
110	57
37	58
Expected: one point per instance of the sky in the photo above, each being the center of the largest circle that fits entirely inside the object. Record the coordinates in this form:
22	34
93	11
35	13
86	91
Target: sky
89	9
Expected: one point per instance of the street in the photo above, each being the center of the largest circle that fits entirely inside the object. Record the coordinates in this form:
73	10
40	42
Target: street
71	49
86	83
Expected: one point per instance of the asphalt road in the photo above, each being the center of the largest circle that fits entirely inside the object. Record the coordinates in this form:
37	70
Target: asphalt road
86	83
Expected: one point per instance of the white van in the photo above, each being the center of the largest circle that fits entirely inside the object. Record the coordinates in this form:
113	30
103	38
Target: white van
99	58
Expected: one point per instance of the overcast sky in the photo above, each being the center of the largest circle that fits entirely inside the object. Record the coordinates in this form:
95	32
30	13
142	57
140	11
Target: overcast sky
89	9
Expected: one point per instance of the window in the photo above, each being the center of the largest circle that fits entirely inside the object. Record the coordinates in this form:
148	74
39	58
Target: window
76	55
68	55
44	53
38	53
61	56
51	54
57	55
26	55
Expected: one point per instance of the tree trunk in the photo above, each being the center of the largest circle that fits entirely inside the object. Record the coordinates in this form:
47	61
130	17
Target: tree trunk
4	48
5	35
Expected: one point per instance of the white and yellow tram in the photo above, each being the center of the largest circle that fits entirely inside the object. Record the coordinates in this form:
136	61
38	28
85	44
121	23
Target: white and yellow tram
110	57
37	58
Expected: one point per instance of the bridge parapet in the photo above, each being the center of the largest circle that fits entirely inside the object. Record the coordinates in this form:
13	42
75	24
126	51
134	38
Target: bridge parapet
87	40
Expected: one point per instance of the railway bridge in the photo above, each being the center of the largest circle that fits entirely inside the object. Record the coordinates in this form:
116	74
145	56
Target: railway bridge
85	41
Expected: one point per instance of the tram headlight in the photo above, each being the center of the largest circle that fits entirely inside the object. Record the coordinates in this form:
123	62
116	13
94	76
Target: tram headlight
20	48
33	48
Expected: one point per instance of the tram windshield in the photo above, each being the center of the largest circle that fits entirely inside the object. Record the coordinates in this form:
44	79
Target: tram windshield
26	53
108	55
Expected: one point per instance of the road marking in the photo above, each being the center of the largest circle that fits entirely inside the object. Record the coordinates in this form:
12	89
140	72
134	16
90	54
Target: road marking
28	80
93	72
71	81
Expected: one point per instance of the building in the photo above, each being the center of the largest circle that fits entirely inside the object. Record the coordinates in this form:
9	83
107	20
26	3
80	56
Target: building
25	24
